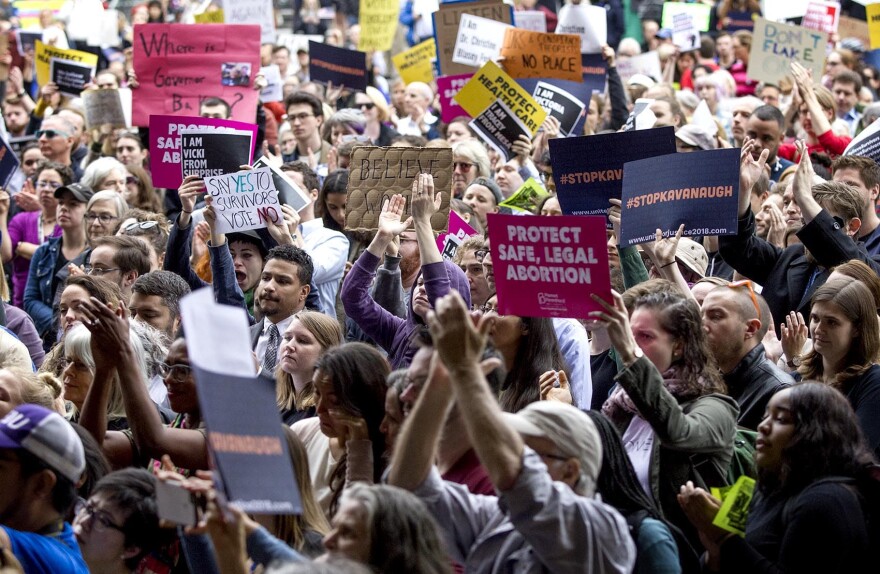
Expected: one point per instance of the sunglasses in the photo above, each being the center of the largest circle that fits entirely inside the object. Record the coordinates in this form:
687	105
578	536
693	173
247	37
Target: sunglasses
367	106
50	133
136	227
752	294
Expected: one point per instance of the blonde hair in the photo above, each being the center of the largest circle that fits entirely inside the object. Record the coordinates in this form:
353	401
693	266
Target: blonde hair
327	333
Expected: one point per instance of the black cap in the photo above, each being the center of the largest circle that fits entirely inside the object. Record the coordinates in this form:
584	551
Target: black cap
80	192
249	236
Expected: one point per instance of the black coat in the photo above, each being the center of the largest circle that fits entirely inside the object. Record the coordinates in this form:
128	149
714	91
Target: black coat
752	383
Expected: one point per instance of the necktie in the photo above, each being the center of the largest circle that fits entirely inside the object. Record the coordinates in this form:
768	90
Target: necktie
271	355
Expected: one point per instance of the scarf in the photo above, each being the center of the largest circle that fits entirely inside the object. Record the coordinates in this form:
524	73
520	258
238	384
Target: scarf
619	404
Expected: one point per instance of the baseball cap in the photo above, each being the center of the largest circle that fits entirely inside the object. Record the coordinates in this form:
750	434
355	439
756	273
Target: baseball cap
692	255
47	436
570	429
697	136
81	192
248	236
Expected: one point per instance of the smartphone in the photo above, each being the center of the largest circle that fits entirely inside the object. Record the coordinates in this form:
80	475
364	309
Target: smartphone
176	504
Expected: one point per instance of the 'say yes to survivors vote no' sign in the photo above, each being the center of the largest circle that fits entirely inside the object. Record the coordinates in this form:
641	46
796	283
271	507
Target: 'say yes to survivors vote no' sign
244	200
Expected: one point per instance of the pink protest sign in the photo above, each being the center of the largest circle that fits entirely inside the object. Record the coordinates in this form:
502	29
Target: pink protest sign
165	160
448	86
458	231
178	66
547	266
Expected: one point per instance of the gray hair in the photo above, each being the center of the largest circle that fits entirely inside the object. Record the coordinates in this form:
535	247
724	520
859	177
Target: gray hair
108	195
474	152
99	169
155	346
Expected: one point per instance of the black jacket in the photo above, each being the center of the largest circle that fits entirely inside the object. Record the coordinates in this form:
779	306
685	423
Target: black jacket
751	383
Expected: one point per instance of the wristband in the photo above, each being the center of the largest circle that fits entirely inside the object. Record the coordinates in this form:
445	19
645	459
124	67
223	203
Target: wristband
185	211
667	265
21	94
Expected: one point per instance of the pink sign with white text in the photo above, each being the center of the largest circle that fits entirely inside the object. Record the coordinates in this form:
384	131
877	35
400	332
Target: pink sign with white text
458	231
448	87
548	266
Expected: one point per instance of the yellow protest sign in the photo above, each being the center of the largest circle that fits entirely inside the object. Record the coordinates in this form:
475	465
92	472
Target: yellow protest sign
378	20
735	509
415	65
490	84
44	55
873	13
212	17
526	198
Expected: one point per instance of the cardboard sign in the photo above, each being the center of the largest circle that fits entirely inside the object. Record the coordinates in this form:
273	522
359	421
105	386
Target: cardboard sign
165	144
446	23
103	107
588	170
535	55
178	66
479	40
341	67
526	198
44	55
873	14
560	104
822	15
274	90
533	20
490	84
776	45
9	162
701	13
699	189
590	23
259	12
378	20
459	230
734	511
867	143
647	64
289	193
549	266
852	28
684	32
595	72
70	77
499	128
208	153
244	200
417	63
447	89
377	173
249	453
212	17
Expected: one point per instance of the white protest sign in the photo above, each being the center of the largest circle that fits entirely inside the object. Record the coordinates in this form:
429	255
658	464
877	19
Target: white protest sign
244	200
588	22
781	11
252	12
479	40
273	92
647	64
533	20
684	32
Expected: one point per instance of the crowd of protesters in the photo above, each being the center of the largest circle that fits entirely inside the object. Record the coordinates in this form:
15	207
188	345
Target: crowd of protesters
428	433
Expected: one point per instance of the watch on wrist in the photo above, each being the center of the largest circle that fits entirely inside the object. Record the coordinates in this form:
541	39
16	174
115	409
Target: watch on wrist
637	354
794	362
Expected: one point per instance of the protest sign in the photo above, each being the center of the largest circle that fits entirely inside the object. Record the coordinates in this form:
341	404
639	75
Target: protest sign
446	23
417	63
641	117
211	17
490	84
44	55
867	143
588	171
329	64
776	45
734	511
781	11
378	21
533	20
107	35
701	13
259	12
103	107
458	230
822	15
447	89
243	200
588	22
8	162
296	42
535	55
479	40
499	128
698	189
581	92
289	193
210	152
647	64
560	104
165	144
377	173
873	14
178	66
27	40
273	92
70	77
595	70
684	32
526	198
848	27
548	266
249	453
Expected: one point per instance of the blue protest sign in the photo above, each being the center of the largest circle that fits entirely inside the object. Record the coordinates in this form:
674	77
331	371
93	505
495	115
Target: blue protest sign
562	99
699	189
588	170
341	67
8	163
595	71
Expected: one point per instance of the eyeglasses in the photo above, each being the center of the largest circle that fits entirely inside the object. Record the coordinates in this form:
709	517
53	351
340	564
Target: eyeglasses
51	133
102	217
178	372
102	521
553	456
465	166
32	161
486	309
299	117
132	180
99	271
134	226
48	184
367	106
752	294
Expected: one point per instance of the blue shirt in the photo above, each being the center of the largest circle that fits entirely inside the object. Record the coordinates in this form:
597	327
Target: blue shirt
55	554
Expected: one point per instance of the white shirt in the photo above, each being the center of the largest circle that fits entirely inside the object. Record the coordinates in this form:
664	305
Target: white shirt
321	461
263	341
574	345
407	126
329	252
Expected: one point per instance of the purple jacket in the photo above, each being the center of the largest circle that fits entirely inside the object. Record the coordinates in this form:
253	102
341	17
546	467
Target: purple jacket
389	331
25	226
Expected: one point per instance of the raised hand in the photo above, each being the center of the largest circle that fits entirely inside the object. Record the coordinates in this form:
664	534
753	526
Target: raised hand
355	427
189	191
616	320
389	219
457	340
549	390
794	335
424	202
662	251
